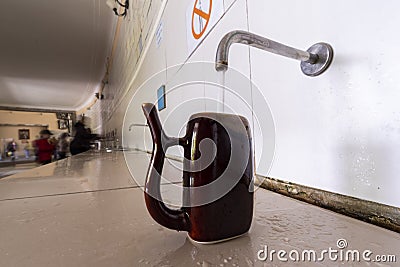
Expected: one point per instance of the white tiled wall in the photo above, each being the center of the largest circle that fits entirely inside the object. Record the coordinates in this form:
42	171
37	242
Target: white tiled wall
338	131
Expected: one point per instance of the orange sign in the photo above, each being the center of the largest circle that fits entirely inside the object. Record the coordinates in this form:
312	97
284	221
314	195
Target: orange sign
203	17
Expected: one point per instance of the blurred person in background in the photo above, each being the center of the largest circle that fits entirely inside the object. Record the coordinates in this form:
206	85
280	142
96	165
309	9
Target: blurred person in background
26	148
82	139
11	148
44	147
34	147
53	140
62	146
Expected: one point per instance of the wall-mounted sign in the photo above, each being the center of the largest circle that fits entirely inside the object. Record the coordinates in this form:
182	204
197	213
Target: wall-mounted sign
161	103
201	17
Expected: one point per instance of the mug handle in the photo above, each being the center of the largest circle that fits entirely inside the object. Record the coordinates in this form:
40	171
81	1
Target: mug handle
173	219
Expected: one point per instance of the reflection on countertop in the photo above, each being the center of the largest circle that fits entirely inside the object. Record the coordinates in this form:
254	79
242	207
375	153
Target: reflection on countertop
89	171
88	210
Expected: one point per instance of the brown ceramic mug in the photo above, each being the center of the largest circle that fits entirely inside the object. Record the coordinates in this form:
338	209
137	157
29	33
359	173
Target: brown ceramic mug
217	176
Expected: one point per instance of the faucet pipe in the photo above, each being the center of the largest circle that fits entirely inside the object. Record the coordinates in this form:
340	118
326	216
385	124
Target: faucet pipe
136	124
314	61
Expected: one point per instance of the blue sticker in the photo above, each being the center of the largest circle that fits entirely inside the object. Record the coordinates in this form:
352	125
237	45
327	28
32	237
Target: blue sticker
161	103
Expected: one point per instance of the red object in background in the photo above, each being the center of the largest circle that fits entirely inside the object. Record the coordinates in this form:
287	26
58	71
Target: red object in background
44	150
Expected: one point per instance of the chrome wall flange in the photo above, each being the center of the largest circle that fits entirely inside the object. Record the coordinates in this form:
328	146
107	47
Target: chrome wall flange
325	55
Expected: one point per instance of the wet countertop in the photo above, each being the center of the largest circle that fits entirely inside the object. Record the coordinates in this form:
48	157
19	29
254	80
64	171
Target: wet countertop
88	210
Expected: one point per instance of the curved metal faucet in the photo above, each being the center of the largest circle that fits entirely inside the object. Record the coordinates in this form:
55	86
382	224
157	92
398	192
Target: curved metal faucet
136	124
314	61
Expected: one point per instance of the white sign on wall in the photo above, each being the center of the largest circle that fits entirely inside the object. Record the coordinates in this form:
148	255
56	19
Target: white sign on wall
201	16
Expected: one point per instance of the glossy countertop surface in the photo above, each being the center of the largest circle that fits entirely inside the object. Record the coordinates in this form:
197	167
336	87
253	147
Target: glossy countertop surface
91	171
89	210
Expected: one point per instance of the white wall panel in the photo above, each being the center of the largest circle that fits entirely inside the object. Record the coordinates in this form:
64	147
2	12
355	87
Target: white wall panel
338	131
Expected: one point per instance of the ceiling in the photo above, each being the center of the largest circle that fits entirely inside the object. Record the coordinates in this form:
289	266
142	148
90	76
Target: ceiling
53	52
